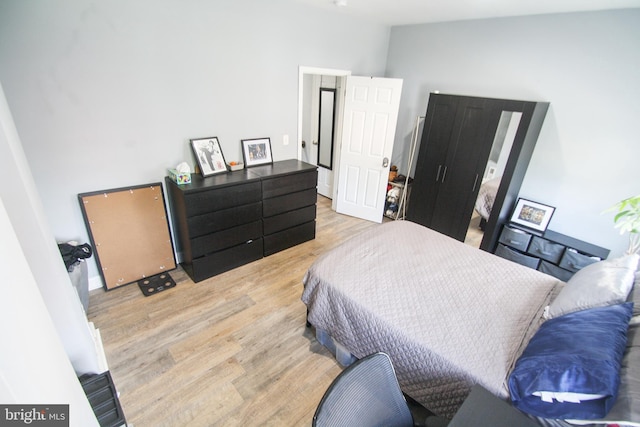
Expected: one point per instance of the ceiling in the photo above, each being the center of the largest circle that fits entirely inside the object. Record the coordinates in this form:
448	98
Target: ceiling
404	12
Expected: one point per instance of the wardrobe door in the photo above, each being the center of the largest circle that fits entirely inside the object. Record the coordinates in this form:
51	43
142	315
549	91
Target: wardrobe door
436	136
474	130
456	142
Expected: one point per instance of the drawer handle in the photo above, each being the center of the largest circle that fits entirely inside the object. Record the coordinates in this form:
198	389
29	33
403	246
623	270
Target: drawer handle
514	242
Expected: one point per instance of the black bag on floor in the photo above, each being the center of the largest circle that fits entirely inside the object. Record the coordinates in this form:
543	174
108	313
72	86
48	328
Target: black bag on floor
72	254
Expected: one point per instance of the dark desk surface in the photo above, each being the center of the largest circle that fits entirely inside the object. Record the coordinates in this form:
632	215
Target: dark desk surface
482	408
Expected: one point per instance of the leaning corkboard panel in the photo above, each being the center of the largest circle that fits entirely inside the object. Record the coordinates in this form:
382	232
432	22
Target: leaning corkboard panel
129	231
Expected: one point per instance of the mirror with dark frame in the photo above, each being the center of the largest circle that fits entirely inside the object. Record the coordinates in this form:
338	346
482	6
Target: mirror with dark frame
326	128
500	150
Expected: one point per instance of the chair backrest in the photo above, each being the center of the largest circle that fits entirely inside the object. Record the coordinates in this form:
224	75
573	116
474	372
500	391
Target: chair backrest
365	394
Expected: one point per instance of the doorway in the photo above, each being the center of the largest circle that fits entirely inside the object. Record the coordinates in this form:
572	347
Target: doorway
363	128
314	85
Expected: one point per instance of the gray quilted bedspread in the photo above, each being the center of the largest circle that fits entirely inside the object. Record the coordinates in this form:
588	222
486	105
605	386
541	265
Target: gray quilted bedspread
449	315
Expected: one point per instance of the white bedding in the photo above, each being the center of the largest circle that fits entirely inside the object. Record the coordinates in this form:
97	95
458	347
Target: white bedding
449	315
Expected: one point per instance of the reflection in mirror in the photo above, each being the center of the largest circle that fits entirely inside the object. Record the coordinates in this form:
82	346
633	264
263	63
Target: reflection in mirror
502	143
500	150
326	127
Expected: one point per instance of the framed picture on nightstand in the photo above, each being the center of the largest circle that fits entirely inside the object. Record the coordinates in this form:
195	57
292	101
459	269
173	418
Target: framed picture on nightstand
533	215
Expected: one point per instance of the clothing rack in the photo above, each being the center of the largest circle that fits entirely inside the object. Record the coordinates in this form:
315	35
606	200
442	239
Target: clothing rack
412	152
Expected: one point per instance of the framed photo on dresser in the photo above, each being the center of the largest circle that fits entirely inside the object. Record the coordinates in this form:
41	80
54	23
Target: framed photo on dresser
533	215
209	155
257	152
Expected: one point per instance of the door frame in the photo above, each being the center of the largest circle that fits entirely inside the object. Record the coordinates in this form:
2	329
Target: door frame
302	71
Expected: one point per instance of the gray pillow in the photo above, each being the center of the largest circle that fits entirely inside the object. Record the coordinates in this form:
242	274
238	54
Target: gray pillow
597	285
634	295
626	410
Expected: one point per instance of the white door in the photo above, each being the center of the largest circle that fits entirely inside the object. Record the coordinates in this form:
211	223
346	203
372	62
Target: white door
325	182
369	127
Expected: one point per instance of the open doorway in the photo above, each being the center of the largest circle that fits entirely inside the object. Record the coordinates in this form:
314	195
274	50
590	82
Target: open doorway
320	108
363	127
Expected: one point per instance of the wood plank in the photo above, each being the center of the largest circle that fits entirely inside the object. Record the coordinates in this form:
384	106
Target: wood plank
230	350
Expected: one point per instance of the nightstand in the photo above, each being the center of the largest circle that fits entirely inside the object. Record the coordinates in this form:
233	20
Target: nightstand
482	408
551	252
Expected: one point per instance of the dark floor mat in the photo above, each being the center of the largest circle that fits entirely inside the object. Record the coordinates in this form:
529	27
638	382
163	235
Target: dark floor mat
154	284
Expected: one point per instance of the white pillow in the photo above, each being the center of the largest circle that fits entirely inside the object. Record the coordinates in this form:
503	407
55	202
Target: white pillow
596	285
566	396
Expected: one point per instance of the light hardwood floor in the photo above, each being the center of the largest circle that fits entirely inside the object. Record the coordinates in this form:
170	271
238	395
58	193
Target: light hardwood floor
230	350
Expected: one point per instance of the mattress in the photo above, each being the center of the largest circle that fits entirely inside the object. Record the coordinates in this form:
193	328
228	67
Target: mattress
449	315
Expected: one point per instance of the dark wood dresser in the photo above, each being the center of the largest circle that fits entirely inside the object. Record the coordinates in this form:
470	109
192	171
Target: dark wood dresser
289	194
224	221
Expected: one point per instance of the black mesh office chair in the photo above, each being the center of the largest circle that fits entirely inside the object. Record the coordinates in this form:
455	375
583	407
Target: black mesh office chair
365	394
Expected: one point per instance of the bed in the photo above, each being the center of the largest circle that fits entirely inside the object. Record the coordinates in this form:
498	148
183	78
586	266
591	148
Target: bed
449	315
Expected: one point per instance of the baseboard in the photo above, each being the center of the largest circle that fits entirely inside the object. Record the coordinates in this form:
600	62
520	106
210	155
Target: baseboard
97	340
95	282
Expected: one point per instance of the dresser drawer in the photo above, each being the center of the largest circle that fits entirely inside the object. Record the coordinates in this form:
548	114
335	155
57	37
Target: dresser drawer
515	238
512	255
289	202
203	202
555	271
225	239
290	237
574	261
219	220
545	249
219	262
289	219
293	183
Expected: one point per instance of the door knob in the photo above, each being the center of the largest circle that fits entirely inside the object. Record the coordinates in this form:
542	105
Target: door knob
385	162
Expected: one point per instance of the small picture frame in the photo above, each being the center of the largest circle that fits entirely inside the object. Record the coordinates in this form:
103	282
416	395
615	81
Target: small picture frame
209	155
533	215
256	152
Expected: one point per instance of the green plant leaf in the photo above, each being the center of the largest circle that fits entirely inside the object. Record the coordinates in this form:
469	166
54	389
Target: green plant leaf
627	218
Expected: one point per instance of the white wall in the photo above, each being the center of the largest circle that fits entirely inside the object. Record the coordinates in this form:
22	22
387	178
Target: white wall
586	65
106	94
45	335
27	217
34	368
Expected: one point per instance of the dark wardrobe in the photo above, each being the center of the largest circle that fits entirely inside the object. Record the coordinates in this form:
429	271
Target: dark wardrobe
461	134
